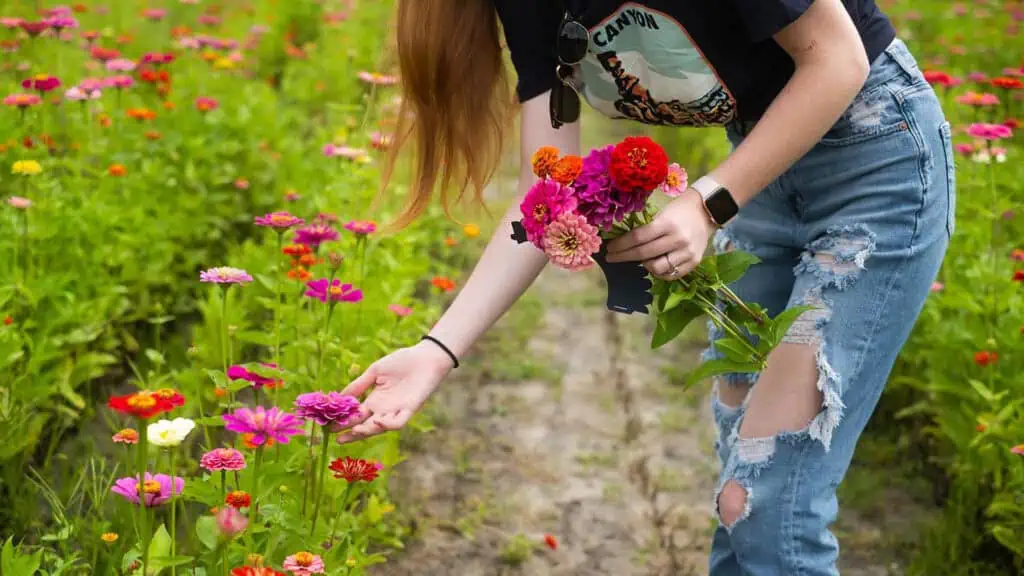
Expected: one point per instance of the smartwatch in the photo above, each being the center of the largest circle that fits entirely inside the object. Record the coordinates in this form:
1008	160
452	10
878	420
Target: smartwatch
718	201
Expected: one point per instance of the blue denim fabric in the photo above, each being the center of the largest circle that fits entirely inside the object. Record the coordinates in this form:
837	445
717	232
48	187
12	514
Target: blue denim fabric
858	229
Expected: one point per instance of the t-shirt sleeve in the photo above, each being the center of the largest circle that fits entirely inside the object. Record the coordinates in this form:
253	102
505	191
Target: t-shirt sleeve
530	30
765	18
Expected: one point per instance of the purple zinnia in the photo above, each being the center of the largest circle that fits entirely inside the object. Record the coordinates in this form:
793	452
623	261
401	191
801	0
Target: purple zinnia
599	201
155	490
315	235
361	227
225	275
280	220
545	201
332	408
263	424
335	292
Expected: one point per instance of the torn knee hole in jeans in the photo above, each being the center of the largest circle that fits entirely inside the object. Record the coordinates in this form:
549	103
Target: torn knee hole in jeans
835	261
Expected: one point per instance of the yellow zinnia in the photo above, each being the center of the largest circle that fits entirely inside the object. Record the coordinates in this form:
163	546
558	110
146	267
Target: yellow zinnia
26	167
471	230
109	537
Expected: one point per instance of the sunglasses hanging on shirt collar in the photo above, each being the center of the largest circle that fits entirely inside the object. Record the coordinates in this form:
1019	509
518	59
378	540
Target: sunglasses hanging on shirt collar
571	47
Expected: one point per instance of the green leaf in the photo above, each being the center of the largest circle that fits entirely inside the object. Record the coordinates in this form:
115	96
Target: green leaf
671	323
220	380
206	530
718	367
155	357
785	319
982	390
160	544
733	350
732	265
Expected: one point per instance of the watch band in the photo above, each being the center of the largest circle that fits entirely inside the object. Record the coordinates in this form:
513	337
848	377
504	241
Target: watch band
706	186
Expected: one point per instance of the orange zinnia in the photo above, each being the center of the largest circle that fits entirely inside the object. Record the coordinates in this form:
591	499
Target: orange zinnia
567	169
117	170
442	283
544	160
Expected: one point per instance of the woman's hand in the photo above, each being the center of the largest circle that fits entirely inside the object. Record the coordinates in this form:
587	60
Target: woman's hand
402	381
673	243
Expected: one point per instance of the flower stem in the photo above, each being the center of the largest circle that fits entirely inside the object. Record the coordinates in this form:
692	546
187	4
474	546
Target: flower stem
277	313
142	448
256	480
308	488
224	339
341	511
174	507
727	324
223	484
319	488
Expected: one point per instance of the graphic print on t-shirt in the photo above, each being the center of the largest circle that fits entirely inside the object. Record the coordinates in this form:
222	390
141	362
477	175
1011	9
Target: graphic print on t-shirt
642	65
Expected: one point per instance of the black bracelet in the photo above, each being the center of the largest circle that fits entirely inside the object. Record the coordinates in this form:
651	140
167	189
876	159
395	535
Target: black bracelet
441	345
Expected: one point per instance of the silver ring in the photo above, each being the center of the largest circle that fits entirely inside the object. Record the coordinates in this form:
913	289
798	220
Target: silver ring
674	270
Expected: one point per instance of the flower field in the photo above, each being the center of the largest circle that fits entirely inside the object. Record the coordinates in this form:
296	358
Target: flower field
192	266
188	270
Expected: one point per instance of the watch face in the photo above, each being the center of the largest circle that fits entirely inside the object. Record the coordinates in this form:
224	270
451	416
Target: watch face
721	206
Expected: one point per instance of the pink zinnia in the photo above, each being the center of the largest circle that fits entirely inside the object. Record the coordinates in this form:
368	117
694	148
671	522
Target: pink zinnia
569	242
544	202
279	220
399	310
76	94
975	99
206	104
315	235
154	14
19	202
984	131
263	424
378	79
22	100
61	22
118	82
335	292
230	522
676	181
304	564
1018	449
335	151
225	275
155	490
91	84
120	65
220	459
327	409
237	372
361	227
979	77
937	287
11	22
964	149
380	141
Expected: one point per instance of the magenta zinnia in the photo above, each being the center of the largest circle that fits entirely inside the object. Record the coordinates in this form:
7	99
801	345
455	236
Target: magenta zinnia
280	220
315	235
984	131
545	201
225	275
222	459
335	292
155	490
263	424
237	372
599	201
570	240
331	408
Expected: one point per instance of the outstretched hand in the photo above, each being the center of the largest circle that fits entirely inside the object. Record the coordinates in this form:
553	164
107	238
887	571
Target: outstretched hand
401	383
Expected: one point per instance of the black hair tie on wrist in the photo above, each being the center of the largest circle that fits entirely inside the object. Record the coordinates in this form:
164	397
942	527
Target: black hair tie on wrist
441	345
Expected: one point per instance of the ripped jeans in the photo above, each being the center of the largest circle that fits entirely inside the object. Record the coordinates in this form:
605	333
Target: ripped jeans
857	229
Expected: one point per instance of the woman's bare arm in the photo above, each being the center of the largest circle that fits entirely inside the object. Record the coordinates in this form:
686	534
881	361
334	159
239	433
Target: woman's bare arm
506	269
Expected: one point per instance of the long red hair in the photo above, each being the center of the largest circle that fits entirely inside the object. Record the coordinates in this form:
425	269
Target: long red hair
456	100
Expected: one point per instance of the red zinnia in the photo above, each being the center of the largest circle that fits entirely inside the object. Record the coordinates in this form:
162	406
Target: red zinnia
250	571
1018	276
638	164
1007	83
141	404
8	320
355	470
551	541
34	28
238	499
985	358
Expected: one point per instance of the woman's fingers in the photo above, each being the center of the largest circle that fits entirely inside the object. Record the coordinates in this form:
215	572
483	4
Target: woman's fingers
647	251
636	237
679	260
377	423
360	385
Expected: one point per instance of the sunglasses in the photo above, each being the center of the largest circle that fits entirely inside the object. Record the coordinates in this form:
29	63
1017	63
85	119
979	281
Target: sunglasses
570	47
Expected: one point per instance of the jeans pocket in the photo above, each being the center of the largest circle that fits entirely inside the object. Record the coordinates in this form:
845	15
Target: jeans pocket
874	113
946	134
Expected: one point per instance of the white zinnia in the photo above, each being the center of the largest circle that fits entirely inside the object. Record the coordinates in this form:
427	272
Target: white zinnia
169	433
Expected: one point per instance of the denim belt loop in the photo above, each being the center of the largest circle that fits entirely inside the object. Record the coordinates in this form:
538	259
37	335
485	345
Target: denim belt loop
900	54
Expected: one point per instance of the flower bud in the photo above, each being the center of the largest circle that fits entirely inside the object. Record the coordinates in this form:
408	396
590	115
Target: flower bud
282	489
336	259
355	370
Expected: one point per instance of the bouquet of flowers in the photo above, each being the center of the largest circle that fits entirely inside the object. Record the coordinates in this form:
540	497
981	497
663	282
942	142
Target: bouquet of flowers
578	204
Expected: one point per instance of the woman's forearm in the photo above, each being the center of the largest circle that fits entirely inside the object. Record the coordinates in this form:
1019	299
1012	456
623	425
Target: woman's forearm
831	67
506	268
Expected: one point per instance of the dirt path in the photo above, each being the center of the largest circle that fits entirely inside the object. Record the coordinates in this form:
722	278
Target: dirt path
591	446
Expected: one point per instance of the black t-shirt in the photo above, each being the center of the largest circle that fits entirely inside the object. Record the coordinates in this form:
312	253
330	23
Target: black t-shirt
672	62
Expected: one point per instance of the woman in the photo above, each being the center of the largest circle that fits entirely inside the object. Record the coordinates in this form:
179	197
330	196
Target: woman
841	172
